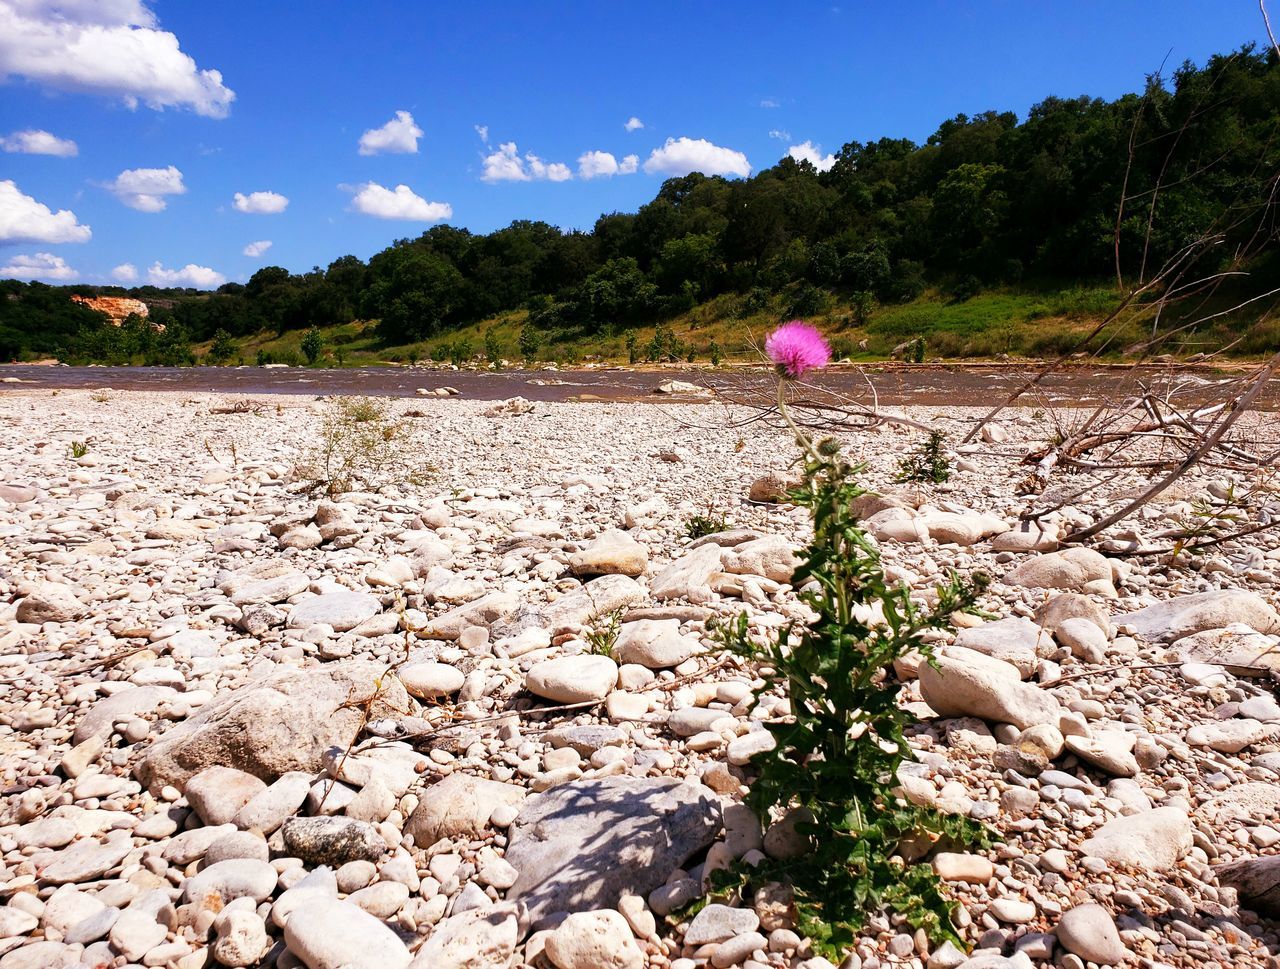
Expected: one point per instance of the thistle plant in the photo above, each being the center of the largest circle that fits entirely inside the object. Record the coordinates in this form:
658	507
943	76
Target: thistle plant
834	766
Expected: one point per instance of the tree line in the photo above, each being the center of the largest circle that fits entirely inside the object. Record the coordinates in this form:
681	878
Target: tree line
985	201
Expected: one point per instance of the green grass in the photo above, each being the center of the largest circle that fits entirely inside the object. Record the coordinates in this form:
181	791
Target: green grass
1024	321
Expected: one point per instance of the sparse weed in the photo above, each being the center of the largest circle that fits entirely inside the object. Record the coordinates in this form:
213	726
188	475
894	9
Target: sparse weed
928	462
78	449
361	443
697	526
603	634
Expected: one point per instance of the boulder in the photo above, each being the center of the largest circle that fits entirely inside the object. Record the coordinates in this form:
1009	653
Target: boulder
283	722
217	793
771	556
332	841
773	487
1257	880
475	938
949	528
49	602
968	684
596	598
1237	647
1071	569
654	643
688	577
1173	619
1015	640
342	611
484	611
326	934
573	679
594	940
1090	932
458	806
583	844
612	553
1152	840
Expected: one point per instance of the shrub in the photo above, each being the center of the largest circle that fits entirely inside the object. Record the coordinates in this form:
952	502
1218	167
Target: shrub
460	351
223	347
492	348
78	449
529	341
715	353
360	444
833	770
928	462
312	346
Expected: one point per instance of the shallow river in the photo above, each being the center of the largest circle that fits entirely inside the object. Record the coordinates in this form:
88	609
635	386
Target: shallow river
893	384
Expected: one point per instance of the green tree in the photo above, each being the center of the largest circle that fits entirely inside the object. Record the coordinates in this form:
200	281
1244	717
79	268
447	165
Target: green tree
223	347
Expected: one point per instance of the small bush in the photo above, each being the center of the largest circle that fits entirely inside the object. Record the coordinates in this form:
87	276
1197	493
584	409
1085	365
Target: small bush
78	449
715	353
360	444
928	462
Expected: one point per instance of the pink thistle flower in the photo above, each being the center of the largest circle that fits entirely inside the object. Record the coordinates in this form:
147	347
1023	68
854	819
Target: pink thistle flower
797	348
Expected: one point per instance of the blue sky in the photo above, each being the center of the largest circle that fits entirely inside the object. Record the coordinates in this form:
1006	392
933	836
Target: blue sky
298	85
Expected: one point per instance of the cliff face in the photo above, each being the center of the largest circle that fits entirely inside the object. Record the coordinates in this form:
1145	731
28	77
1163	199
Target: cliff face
116	307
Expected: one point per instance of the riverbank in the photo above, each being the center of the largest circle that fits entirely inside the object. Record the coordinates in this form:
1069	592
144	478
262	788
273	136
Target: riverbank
189	642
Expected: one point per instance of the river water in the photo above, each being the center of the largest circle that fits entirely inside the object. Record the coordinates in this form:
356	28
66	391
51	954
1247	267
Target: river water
889	384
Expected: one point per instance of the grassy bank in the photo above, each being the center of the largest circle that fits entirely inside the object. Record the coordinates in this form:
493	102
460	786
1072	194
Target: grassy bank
996	324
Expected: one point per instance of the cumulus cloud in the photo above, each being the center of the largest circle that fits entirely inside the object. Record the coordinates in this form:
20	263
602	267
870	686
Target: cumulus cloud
507	165
126	272
398	136
601	164
145	189
254	249
633	124
260	203
199	277
106	47
23	219
680	156
33	141
43	265
398	203
808	151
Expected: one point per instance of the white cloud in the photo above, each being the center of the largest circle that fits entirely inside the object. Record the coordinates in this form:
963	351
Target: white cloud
770	103
398	136
633	124
808	151
483	131
680	156
23	219
780	133
145	189
106	47
126	272
200	277
552	172
254	249
400	203
601	164
43	265
260	203
506	165
33	141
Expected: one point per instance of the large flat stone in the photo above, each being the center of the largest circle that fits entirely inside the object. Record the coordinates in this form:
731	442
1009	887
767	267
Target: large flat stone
581	845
